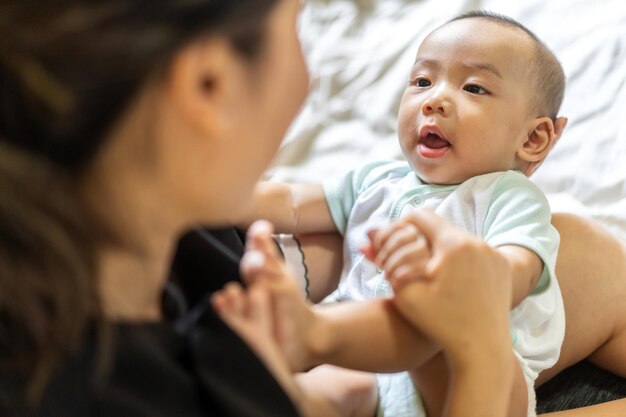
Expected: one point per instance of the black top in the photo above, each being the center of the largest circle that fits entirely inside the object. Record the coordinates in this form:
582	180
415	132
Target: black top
192	365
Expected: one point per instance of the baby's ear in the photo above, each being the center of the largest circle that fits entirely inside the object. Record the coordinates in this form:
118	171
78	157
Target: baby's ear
543	133
559	126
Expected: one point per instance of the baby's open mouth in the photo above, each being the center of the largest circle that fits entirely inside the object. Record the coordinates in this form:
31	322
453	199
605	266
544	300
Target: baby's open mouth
432	143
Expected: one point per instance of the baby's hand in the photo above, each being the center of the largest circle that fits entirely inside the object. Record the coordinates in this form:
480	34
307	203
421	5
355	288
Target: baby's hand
401	250
293	317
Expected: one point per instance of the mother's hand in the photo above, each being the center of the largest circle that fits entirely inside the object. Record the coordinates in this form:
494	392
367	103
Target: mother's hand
463	298
294	321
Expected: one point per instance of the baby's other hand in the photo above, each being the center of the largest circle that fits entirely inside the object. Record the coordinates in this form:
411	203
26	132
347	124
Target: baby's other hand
368	249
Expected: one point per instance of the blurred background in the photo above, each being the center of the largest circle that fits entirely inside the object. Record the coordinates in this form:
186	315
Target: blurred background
360	52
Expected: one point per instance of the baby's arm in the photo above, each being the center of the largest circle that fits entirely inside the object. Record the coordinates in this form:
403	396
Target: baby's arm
525	267
291	208
400	249
319	259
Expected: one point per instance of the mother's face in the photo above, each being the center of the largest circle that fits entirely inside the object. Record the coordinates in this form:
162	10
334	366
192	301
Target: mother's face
226	133
272	92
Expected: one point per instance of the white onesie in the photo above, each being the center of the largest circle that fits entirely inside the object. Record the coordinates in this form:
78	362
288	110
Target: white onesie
503	208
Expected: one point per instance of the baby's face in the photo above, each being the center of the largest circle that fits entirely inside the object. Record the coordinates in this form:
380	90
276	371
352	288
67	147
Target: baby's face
466	109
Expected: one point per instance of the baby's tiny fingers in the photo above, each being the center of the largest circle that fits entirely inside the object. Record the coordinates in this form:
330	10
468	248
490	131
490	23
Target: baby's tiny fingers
368	251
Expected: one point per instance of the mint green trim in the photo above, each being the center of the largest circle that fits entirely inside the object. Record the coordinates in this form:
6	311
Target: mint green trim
512	195
420	192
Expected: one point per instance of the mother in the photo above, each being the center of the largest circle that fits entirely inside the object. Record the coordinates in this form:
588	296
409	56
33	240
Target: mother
123	124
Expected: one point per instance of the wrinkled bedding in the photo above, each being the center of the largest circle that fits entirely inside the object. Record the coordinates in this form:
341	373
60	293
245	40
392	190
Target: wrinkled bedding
359	53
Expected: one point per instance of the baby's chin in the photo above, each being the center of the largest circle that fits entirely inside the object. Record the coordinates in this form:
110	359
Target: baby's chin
439	175
442	181
440	178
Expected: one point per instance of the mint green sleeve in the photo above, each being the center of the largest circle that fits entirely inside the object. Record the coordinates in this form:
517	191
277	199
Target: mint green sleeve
519	214
342	191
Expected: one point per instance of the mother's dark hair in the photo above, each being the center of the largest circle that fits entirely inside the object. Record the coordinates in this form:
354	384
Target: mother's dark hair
68	70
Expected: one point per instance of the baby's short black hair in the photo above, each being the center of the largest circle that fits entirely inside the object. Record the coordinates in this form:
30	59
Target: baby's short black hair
548	72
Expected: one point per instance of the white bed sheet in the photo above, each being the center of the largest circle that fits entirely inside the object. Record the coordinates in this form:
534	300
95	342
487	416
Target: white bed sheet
359	53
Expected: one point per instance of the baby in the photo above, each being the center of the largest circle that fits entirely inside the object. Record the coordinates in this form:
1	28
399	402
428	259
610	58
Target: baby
479	114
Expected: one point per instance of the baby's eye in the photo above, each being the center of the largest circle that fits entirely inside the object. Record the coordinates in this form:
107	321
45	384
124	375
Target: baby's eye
422	82
475	89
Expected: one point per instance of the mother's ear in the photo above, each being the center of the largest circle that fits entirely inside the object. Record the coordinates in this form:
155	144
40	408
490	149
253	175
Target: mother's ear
542	135
198	82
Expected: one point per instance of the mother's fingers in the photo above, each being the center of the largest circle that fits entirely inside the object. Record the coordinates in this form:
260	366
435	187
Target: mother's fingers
262	259
230	301
408	261
467	280
395	237
259	237
252	265
435	228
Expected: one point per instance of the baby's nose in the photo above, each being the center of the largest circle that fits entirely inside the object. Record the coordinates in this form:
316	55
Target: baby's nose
436	103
